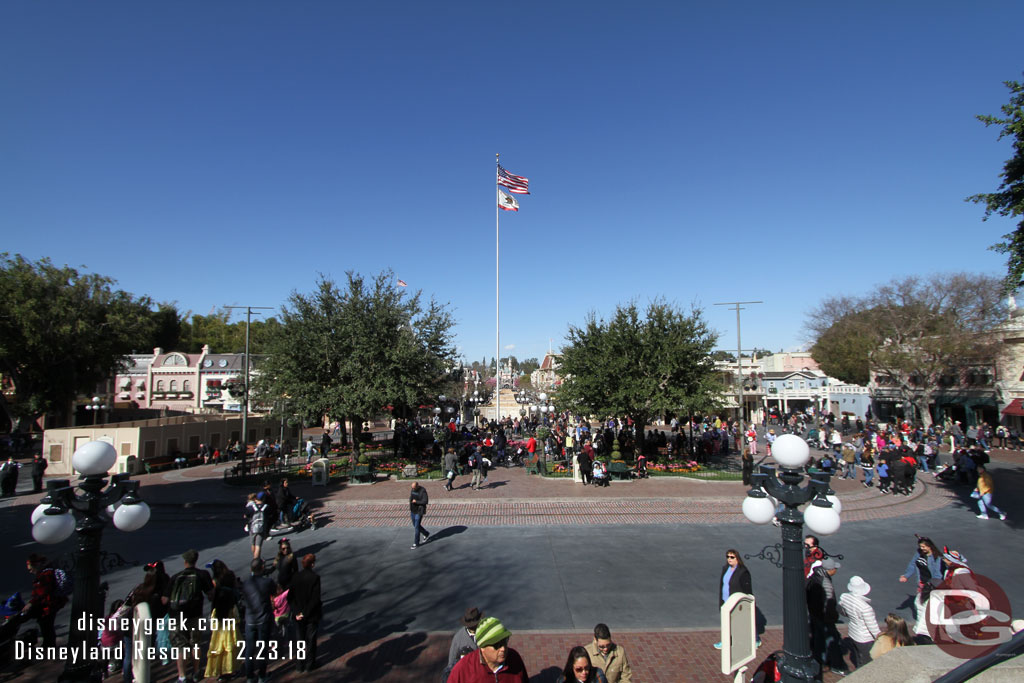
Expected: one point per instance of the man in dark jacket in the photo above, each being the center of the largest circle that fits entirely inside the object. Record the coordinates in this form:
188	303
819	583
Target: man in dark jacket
305	604
822	607
285	500
258	592
418	500
38	468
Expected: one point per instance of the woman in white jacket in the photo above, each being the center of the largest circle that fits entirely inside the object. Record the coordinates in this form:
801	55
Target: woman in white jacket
861	620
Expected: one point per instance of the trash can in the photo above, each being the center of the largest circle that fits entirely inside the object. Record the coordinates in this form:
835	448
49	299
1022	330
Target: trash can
319	470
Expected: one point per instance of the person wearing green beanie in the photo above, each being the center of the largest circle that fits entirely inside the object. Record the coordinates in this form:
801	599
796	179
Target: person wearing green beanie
494	661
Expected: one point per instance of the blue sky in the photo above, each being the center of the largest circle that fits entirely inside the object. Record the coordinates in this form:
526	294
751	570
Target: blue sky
219	153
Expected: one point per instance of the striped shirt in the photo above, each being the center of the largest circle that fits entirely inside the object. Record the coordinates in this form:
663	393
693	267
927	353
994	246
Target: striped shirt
863	625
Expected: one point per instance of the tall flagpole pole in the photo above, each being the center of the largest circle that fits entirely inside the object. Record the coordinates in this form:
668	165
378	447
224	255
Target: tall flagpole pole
497	298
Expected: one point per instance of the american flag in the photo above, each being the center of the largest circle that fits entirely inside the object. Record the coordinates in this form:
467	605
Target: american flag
516	184
401	283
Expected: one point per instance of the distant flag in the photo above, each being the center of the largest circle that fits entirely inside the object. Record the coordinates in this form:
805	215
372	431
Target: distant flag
516	184
507	202
401	283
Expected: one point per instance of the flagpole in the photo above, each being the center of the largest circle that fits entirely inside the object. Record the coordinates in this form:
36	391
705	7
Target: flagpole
497	297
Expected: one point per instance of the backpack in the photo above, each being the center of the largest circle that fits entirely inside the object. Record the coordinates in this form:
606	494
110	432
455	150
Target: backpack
256	524
472	460
184	590
65	586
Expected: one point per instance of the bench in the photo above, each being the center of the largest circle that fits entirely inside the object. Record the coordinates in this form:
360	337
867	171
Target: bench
166	462
362	473
620	470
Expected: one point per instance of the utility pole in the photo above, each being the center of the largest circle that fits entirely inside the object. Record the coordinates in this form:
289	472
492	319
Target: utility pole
245	398
739	355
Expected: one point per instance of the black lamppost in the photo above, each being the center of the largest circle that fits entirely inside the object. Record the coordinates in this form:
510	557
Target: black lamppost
54	520
822	517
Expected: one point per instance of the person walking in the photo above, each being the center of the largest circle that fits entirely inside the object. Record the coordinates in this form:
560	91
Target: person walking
983	494
476	461
463	638
493	661
187	591
257	592
38	469
861	620
418	500
305	602
580	669
609	656
450	466
823	611
735	578
46	599
927	567
258	525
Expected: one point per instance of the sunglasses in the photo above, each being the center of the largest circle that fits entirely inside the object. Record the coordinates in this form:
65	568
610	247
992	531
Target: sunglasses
580	669
500	644
731	557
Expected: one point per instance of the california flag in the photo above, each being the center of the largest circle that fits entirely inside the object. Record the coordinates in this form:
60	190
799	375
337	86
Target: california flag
506	202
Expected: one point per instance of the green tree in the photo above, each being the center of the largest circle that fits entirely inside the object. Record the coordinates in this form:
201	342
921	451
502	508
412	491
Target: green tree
61	333
1008	199
223	336
528	365
347	353
912	334
640	364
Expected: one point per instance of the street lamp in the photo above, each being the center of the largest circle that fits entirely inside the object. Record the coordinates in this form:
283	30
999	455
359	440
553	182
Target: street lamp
95	405
54	520
822	517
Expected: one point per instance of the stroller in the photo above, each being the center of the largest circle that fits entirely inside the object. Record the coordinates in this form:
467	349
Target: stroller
10	622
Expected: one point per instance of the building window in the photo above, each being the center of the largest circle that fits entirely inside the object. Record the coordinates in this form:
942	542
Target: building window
185	386
159	385
174	385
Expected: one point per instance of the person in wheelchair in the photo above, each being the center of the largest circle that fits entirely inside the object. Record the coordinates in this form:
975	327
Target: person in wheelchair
600	473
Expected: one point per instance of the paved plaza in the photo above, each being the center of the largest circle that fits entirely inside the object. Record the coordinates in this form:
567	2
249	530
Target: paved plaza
549	557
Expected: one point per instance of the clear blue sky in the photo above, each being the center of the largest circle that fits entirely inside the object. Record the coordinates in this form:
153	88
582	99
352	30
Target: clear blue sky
212	153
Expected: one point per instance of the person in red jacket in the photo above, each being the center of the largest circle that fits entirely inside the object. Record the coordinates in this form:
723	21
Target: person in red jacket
493	661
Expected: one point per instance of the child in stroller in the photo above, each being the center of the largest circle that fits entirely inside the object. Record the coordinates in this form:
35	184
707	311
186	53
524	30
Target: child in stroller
600	473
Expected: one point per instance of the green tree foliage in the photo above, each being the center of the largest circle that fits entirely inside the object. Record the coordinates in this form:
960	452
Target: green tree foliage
62	332
350	352
640	364
224	336
1008	199
528	365
912	334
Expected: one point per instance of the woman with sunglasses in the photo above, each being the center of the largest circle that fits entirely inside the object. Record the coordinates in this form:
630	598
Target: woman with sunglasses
578	668
735	578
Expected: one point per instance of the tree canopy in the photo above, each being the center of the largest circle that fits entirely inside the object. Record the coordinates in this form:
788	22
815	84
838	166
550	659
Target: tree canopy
1008	199
62	332
912	333
223	336
640	364
351	352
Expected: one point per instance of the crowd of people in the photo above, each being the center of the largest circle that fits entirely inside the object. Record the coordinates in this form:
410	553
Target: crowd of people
210	623
480	652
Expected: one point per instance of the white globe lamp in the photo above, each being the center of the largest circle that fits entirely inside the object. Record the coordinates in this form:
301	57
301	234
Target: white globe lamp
52	529
131	517
820	518
95	457
790	451
758	508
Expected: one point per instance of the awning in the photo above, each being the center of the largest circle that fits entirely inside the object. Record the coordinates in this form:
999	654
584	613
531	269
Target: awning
1016	407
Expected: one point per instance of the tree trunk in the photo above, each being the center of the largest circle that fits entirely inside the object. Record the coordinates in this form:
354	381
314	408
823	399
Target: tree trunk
356	441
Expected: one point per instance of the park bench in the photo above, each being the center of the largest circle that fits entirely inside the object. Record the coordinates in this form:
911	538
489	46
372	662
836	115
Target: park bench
166	462
362	473
620	470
